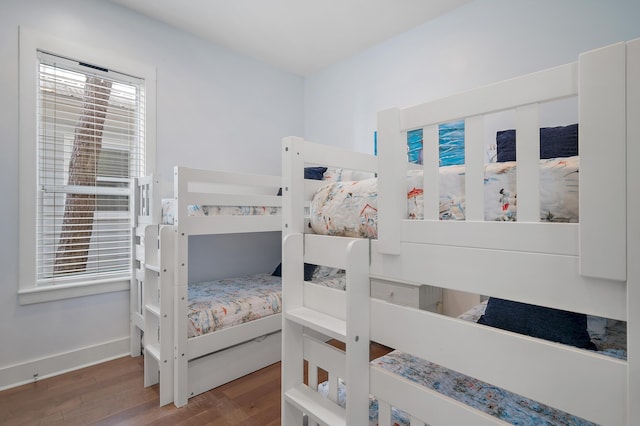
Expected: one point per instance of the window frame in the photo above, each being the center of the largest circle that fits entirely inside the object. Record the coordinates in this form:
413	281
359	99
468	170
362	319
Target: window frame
30	42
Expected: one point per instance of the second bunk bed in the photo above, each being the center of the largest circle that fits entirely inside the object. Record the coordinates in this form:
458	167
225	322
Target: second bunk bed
579	268
199	335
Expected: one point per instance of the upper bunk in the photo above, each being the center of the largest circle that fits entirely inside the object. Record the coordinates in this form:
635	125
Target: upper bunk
588	257
586	267
220	202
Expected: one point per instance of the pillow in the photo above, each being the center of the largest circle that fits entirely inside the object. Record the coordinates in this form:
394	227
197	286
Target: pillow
326	271
316	173
537	321
309	269
555	142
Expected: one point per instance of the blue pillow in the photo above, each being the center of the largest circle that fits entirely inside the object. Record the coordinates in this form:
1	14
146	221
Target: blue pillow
555	325
316	173
309	269
555	142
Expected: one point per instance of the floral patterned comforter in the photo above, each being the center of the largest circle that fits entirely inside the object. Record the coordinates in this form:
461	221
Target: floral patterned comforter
350	208
219	304
215	305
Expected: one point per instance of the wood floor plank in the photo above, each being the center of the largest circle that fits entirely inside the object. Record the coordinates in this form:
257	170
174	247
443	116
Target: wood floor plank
113	393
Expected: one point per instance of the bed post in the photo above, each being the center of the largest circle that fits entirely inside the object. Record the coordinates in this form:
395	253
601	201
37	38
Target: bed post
181	271
292	333
391	189
602	138
292	186
633	228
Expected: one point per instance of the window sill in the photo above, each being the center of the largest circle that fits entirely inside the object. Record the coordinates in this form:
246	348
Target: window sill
69	291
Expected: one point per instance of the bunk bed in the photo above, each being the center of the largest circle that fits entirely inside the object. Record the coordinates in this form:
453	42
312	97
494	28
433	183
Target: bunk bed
194	336
584	267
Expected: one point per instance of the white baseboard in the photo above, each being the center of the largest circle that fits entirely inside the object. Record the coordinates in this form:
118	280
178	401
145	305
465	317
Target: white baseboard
28	372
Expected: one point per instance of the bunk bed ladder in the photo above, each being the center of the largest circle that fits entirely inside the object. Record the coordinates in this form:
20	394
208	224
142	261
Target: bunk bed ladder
144	213
313	315
158	310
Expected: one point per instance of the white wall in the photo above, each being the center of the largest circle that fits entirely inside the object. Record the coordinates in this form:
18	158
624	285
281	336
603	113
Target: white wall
215	109
218	109
480	43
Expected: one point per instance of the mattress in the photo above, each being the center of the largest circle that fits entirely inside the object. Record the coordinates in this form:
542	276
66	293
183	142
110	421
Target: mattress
349	208
490	399
219	304
215	305
169	210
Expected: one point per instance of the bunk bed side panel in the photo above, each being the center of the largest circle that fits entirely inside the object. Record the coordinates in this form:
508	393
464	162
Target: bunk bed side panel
536	278
633	230
602	138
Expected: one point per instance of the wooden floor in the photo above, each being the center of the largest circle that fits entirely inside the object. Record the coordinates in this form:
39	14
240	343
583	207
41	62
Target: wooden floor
112	393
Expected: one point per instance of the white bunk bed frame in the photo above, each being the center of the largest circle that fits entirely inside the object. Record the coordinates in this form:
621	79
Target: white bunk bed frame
184	366
591	267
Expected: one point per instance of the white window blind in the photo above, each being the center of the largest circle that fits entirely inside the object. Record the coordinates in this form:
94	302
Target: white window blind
91	144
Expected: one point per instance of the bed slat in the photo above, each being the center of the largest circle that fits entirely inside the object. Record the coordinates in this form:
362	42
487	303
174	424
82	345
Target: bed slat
474	168
430	175
540	279
423	402
528	163
197	225
227	337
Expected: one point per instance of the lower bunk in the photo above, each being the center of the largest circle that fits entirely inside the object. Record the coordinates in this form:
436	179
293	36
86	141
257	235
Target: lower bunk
398	378
444	370
233	325
200	335
233	329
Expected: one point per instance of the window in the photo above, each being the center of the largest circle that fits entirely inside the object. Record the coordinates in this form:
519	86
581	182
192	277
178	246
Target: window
90	142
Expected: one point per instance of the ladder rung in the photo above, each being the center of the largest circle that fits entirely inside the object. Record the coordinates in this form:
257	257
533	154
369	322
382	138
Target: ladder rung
316	406
318	321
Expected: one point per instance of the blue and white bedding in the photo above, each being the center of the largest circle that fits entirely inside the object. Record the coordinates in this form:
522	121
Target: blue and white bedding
490	399
215	305
219	304
350	208
169	210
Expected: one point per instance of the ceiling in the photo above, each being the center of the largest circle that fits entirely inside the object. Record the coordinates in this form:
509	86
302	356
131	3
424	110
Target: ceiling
300	36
